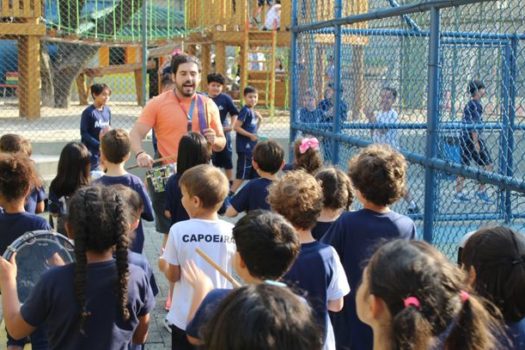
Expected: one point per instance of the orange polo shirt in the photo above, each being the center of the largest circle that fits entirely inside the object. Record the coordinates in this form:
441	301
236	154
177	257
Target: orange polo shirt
164	114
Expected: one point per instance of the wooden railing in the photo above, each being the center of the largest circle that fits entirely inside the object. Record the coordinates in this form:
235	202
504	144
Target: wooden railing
222	15
21	8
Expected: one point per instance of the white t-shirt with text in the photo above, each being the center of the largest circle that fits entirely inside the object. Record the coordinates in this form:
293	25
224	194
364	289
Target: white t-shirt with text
214	237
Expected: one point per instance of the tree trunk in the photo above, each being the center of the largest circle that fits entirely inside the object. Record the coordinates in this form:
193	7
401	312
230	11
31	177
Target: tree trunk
71	59
47	91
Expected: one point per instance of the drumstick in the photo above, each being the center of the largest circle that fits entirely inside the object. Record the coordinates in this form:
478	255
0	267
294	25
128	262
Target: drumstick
224	274
154	162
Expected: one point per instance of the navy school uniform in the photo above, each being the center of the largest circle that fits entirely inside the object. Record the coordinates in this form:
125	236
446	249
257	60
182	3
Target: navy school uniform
13	226
104	328
252	196
244	145
134	182
205	311
91	123
318	273
472	115
355	236
173	202
141	261
224	102
37	195
307	116
320	229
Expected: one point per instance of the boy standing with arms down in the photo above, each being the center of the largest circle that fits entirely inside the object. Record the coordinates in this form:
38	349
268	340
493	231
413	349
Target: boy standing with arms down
204	188
224	102
473	147
246	127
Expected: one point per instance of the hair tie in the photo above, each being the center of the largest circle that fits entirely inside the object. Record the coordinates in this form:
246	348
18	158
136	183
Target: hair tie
307	143
464	296
412	301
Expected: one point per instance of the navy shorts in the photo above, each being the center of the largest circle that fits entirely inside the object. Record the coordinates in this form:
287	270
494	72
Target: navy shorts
261	2
468	153
222	159
245	170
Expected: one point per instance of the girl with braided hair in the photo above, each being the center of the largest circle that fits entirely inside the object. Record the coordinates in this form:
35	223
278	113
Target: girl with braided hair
98	302
414	298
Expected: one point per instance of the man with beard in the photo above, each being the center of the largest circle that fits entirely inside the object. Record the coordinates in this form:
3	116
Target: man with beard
173	113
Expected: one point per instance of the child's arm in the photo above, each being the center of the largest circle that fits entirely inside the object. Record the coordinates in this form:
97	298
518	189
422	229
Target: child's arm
17	327
259	119
233	119
239	130
141	332
231	212
172	273
336	305
84	130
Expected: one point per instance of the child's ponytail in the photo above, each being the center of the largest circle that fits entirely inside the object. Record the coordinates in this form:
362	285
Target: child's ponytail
410	329
121	254
470	328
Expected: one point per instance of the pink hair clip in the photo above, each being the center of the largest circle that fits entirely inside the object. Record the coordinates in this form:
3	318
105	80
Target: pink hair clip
464	296
412	301
307	143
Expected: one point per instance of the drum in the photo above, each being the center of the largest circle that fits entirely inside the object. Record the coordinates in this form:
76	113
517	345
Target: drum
157	177
36	252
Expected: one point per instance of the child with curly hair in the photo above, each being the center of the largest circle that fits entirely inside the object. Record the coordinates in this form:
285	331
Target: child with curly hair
317	270
378	175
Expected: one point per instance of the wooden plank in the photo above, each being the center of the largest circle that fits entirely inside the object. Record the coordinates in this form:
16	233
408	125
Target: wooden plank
115	69
29	67
103	56
138	86
220	58
22	29
6	12
37	8
236	38
132	55
15	7
205	64
26	9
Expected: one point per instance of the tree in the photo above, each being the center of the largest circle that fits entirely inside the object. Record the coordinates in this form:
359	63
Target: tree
61	70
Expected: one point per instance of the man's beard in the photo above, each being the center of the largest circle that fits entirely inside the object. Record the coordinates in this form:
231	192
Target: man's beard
182	88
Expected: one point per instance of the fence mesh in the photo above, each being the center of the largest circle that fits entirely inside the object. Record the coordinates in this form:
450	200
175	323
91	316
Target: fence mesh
383	83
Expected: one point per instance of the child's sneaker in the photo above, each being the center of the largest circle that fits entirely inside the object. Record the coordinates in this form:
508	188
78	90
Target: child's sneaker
460	197
484	197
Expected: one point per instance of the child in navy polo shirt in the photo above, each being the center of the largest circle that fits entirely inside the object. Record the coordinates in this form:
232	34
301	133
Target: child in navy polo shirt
317	271
115	149
13	143
268	159
267	246
204	188
246	127
224	102
378	175
18	173
473	147
95	118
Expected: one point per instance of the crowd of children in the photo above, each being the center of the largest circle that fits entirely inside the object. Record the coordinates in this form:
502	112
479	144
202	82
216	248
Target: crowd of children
311	273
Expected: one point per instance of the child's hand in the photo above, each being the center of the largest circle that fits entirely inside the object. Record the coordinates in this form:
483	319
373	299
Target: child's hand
210	135
8	271
253	137
196	277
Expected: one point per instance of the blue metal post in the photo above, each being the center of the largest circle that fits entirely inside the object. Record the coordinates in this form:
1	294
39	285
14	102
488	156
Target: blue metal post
293	80
144	69
432	122
503	139
337	82
513	71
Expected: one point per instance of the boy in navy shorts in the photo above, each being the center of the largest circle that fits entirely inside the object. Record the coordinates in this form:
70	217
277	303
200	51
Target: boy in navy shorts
224	102
246	127
268	159
473	147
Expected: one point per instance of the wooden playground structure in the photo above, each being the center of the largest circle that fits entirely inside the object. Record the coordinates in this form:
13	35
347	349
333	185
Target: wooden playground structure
20	20
211	26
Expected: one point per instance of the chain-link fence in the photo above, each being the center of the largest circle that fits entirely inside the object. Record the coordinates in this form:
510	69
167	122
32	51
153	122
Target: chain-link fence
440	81
52	52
